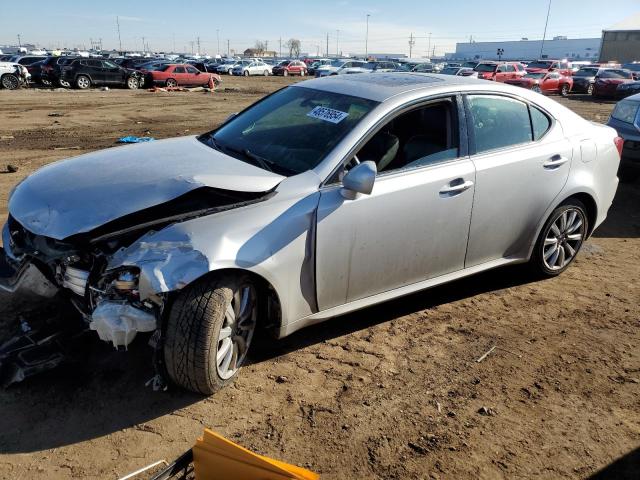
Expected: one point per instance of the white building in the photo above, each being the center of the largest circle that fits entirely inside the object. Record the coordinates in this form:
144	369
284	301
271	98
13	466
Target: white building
556	48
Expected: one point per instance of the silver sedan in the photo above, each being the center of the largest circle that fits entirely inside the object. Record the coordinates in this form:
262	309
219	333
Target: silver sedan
323	198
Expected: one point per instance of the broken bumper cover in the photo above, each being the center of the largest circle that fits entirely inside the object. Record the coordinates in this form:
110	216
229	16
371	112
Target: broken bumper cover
24	278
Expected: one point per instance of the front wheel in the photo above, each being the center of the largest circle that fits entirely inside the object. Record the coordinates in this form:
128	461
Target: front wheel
10	81
564	91
133	83
246	73
590	89
171	82
266	73
560	239
64	83
302	73
285	73
209	332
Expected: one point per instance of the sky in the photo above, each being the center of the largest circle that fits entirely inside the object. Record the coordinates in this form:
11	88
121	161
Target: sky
172	25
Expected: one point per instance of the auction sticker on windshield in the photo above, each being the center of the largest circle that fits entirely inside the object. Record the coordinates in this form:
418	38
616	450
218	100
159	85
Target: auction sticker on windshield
327	114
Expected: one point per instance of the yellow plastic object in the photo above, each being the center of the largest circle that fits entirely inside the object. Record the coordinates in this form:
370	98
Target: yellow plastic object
216	458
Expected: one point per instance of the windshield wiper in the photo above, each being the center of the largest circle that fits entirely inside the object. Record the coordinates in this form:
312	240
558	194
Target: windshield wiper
245	152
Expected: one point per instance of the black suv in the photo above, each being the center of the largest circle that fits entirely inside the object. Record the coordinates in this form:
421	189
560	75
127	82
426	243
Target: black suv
84	72
49	73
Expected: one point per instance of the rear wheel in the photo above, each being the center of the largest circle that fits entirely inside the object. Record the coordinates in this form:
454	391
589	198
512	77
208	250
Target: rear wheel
83	82
564	91
285	73
209	331
10	81
171	82
560	239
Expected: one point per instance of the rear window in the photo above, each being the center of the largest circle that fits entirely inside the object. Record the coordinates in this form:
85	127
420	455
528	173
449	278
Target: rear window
615	74
486	67
586	72
625	111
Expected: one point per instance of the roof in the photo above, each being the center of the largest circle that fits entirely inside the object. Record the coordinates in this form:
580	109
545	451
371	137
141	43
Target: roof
632	22
382	86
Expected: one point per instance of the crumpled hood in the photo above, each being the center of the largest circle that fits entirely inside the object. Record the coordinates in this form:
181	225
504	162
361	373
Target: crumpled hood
79	194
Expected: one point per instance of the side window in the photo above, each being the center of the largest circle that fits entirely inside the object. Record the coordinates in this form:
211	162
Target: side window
192	70
107	64
509	68
540	122
178	70
499	122
421	137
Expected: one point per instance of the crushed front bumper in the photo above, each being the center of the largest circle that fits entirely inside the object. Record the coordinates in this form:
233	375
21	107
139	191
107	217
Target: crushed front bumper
24	278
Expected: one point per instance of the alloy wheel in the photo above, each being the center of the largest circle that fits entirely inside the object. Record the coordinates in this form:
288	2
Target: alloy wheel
563	239
10	82
83	82
237	331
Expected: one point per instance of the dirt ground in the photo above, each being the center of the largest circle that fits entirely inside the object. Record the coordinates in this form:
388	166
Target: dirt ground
389	392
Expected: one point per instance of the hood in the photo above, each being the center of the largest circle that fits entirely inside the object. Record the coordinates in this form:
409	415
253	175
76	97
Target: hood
82	193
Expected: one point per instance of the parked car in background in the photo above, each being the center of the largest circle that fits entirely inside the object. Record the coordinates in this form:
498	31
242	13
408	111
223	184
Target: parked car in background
205	67
319	200
471	64
290	67
544	82
459	71
27	60
311	69
86	72
625	118
256	67
634	68
179	74
424	67
561	66
340	67
381	66
13	75
6	57
50	71
226	67
607	82
500	71
584	79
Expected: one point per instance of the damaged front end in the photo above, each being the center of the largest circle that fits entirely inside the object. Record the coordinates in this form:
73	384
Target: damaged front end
116	300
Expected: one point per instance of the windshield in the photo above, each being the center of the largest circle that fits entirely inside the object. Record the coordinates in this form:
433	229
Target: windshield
370	65
534	75
450	71
540	65
615	74
290	131
586	72
486	67
337	63
625	111
470	64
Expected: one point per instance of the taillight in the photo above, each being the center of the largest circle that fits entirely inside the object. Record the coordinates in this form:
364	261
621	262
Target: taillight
619	142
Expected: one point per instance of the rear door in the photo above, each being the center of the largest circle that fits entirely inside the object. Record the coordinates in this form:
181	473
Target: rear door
522	161
180	75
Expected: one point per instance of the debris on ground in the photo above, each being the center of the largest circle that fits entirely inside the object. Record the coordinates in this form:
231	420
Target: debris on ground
11	168
56	114
489	412
134	139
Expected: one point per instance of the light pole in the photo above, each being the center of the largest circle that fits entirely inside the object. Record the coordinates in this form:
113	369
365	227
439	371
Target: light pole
366	40
429	47
544	35
218	39
337	41
19	42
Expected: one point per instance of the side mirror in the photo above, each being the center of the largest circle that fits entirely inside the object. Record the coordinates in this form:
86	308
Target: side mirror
359	179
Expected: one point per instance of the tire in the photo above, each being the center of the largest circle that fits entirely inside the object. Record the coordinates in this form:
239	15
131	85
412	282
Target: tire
83	82
564	91
196	357
266	73
230	71
302	74
536	88
133	83
545	262
246	73
590	89
10	81
171	82
285	73
64	83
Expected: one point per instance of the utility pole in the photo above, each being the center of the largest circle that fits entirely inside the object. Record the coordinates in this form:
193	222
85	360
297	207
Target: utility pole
544	35
337	41
19	42
174	42
198	40
366	40
192	43
266	45
280	47
412	42
143	47
429	47
218	41
228	49
327	44
119	39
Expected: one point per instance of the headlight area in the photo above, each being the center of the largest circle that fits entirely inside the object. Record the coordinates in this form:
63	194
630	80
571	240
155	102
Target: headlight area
118	314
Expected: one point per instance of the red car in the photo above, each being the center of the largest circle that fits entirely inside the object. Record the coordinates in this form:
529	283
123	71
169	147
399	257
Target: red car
172	75
561	66
290	67
541	82
607	81
499	71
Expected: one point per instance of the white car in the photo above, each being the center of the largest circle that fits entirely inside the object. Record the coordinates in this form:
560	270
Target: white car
340	67
226	67
256	67
12	75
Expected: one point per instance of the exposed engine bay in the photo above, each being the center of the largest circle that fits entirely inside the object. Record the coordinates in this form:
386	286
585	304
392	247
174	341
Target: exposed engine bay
78	267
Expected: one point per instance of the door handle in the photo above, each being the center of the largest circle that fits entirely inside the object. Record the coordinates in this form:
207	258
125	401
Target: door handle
455	187
554	162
